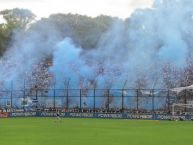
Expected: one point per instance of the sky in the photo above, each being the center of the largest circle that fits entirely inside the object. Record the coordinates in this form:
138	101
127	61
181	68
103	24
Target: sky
43	8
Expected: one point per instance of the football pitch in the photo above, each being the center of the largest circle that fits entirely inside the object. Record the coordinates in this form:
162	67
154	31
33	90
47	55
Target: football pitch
49	131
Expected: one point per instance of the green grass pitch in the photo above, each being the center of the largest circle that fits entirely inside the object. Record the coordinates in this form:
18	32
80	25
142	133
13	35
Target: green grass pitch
48	131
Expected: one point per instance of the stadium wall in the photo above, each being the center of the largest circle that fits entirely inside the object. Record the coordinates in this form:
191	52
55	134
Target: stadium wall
99	115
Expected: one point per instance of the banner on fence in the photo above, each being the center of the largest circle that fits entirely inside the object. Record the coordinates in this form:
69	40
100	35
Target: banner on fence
109	115
82	115
98	115
136	116
23	114
4	115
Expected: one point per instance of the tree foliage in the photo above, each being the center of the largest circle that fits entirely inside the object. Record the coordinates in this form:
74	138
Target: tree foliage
16	19
85	31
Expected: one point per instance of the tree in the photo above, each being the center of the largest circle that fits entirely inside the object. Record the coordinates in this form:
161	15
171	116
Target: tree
85	31
16	19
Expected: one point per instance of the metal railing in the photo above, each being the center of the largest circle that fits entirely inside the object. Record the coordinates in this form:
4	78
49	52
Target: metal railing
148	100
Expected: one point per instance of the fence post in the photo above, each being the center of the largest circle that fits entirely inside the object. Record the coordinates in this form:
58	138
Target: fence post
54	97
24	97
168	102
108	99
67	94
11	95
122	101
185	101
153	100
36	99
137	99
80	100
54	93
94	101
67	99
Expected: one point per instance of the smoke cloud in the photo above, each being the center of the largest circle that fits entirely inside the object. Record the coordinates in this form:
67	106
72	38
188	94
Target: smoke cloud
138	46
